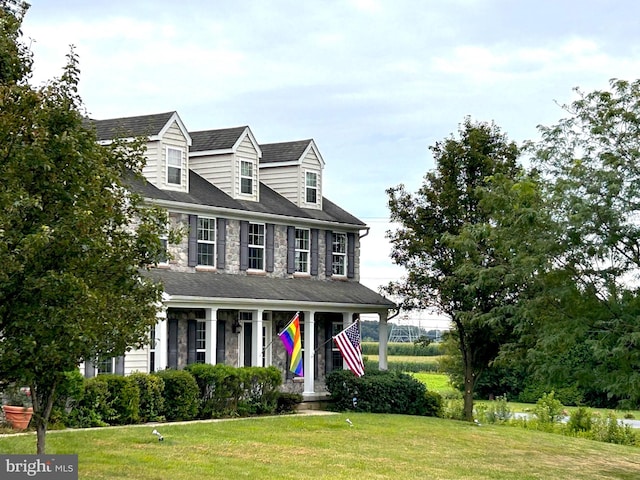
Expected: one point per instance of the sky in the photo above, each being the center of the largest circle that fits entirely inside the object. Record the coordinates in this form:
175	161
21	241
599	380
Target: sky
373	82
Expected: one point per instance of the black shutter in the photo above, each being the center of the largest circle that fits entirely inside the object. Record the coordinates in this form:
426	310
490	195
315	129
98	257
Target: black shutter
172	343
220	341
221	243
191	341
351	255
291	249
193	240
244	245
119	365
329	255
314	251
269	247
89	369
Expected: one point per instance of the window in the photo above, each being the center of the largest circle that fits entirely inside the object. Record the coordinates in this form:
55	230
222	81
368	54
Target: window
201	342
152	350
311	187
335	361
302	250
246	177
256	246
206	241
164	256
339	254
104	365
174	166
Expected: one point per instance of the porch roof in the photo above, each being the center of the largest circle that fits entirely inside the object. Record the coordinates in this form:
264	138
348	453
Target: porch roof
221	286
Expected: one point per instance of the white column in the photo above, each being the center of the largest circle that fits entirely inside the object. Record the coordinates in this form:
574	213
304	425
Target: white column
383	337
347	320
256	340
309	357
161	341
211	316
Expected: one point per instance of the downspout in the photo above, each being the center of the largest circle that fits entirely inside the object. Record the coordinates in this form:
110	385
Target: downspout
366	233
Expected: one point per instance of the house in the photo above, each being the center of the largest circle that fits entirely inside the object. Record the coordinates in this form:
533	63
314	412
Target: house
261	244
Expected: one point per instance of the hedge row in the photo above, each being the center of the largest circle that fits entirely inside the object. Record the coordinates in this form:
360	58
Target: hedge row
397	348
406	367
382	392
200	391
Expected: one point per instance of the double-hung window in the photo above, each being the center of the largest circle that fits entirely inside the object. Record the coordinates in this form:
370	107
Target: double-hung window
302	250
256	246
201	341
246	177
311	187
339	254
174	166
206	241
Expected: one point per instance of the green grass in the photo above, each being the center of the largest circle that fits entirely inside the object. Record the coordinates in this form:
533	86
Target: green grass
407	358
325	447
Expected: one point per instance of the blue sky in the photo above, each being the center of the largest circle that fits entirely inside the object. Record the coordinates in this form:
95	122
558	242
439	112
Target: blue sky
374	82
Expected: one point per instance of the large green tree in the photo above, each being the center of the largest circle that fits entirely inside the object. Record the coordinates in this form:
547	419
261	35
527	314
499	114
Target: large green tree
591	160
70	282
458	237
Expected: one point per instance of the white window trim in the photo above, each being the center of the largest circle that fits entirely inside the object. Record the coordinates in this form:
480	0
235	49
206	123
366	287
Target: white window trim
307	187
167	166
252	177
208	242
262	247
302	250
342	254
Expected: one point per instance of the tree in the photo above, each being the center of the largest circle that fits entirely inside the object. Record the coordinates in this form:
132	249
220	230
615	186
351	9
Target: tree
71	288
460	238
591	161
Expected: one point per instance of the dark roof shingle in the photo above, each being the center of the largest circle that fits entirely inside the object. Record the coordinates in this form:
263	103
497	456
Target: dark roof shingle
127	127
283	152
221	139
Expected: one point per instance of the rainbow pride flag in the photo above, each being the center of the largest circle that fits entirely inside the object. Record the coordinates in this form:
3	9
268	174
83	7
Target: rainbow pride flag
291	340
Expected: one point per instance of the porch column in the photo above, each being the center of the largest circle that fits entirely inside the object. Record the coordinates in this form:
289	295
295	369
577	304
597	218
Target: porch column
256	340
383	336
347	320
309	357
211	317
161	341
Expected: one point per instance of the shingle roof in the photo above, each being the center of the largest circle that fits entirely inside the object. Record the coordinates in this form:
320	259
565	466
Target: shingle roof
126	127
230	286
283	152
221	139
206	194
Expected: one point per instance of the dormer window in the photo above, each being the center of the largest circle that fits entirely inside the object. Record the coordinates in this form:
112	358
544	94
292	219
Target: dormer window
246	177
311	187
174	166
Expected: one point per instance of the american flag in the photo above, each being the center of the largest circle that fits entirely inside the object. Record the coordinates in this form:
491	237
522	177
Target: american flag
348	341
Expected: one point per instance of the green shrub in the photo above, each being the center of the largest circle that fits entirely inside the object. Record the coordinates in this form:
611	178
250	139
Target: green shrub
123	400
93	407
580	420
380	392
68	393
496	411
434	402
181	395
287	402
548	409
151	388
261	389
609	429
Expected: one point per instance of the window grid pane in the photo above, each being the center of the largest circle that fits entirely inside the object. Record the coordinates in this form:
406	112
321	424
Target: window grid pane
339	257
311	184
246	178
302	250
174	166
206	241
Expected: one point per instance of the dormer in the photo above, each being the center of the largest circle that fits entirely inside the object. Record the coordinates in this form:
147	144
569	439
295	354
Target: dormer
229	159
294	170
168	143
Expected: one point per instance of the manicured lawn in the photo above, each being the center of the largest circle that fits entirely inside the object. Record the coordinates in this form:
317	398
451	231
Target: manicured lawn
407	358
325	447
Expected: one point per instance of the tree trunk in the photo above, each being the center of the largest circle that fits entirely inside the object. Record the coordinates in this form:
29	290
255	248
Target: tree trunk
469	384
42	397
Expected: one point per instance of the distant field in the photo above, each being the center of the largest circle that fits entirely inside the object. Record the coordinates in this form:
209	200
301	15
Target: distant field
406	358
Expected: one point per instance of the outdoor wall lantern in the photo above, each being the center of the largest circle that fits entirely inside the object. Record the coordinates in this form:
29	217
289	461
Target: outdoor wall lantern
236	326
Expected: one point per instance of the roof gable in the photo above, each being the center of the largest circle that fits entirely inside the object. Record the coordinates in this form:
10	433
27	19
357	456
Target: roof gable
152	126
288	153
224	140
